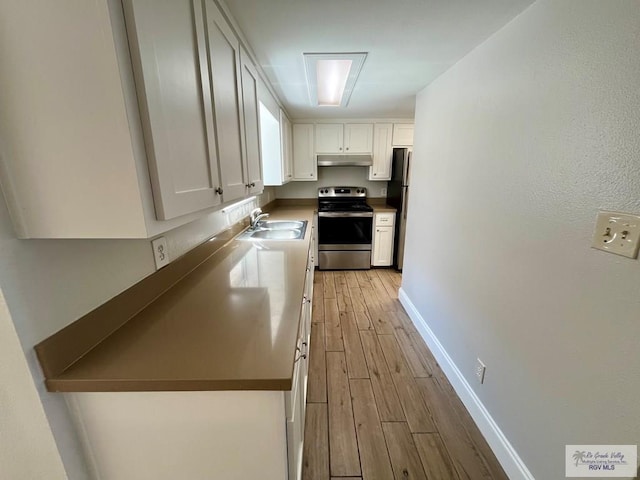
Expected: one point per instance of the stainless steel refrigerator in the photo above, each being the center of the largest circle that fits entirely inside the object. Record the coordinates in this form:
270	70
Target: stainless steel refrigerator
397	196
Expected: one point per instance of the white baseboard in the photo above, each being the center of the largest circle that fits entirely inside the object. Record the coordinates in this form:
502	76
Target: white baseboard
502	448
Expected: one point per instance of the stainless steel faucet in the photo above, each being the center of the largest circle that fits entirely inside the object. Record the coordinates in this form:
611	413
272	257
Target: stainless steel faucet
256	215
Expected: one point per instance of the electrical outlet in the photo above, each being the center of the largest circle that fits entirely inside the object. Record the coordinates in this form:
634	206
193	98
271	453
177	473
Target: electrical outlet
480	369
383	192
160	252
617	233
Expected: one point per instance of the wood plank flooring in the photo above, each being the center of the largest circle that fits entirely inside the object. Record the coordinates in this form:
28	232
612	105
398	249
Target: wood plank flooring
378	406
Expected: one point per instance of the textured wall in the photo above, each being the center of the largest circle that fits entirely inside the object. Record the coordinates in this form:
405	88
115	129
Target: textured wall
516	149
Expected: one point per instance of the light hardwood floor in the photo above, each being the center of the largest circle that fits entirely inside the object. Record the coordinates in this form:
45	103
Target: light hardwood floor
379	407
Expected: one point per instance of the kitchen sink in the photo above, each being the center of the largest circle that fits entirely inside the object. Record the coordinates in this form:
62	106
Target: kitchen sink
280	225
276	230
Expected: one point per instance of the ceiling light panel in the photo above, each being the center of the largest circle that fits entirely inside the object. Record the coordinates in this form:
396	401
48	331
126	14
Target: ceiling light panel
331	77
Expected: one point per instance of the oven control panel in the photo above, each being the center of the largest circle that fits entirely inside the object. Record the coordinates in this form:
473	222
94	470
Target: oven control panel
342	192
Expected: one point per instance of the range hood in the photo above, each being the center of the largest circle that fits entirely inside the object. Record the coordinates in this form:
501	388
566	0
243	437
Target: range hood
345	160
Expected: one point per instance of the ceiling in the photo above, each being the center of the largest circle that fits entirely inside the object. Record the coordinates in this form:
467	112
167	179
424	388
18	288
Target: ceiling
410	43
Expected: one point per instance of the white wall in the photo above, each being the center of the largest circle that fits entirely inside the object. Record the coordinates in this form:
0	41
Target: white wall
27	448
332	177
50	283
517	147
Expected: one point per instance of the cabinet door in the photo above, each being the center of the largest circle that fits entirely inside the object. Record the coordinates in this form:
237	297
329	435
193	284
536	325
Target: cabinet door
382	246
287	147
382	152
295	431
305	167
403	135
329	138
295	405
358	138
253	167
170	65
270	147
224	62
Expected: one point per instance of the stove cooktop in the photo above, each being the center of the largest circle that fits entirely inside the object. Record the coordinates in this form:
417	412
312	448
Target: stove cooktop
344	207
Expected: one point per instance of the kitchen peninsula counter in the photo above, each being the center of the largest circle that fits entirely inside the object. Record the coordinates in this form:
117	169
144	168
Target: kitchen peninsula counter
225	316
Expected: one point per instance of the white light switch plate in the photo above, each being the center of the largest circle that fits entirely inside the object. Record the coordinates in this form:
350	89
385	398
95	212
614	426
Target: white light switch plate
617	233
160	252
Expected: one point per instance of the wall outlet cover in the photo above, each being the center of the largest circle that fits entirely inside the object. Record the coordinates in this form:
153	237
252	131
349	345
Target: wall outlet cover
617	233
480	370
160	252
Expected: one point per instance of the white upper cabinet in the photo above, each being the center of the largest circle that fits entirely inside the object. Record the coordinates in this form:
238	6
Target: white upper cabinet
253	167
141	127
270	147
382	152
338	138
224	60
358	138
287	147
403	135
305	167
276	146
329	138
175	102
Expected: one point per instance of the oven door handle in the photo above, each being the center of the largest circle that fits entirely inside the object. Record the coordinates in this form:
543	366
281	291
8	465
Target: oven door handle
345	214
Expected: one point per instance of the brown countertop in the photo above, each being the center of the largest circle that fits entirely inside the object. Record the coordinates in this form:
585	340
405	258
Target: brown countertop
383	209
230	324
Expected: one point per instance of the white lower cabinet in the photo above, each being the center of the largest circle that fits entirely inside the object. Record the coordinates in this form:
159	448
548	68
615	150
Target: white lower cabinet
297	399
190	435
383	235
233	435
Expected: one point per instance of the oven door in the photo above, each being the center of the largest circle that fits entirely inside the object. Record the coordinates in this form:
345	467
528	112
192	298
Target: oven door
345	231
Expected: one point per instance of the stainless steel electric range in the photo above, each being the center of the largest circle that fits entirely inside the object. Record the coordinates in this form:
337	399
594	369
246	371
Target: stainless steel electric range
345	228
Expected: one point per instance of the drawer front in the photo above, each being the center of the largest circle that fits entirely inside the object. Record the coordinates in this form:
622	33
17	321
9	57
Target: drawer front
385	219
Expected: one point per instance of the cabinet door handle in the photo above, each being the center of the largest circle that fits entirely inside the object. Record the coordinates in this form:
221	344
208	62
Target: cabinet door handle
219	190
302	355
347	148
250	185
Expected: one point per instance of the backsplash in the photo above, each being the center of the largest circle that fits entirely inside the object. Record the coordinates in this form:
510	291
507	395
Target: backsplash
329	177
186	237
